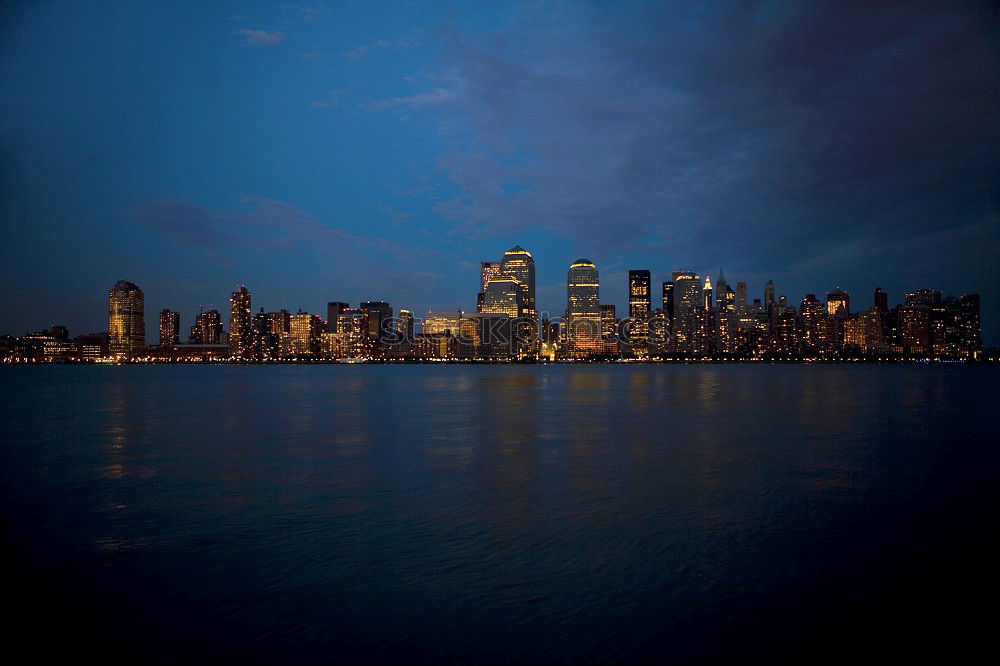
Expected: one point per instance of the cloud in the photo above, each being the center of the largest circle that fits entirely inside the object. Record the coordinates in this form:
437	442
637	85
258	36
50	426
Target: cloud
363	50
333	98
265	224
261	38
741	135
312	55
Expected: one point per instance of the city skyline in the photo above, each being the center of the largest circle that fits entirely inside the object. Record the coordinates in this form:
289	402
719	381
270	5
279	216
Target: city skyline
384	151
693	319
152	321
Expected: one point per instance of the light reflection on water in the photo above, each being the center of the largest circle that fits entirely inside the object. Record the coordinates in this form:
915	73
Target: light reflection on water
486	513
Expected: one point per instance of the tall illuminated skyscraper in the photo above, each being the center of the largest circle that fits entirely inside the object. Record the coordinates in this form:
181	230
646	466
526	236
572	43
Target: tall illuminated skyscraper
687	296
404	325
583	306
609	321
639	303
520	266
126	320
487	270
838	301
170	329
707	294
503	296
305	334
240	323
208	327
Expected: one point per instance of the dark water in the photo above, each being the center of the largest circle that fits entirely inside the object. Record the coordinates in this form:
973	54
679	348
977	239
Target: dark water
500	514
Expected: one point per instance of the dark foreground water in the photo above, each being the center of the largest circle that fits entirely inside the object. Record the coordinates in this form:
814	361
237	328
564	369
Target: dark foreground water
641	513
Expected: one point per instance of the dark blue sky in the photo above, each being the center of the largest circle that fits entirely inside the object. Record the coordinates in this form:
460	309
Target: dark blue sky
381	150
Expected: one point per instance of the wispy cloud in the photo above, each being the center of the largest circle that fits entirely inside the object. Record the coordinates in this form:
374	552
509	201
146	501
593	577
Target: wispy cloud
265	223
361	51
333	98
261	38
262	224
721	130
312	55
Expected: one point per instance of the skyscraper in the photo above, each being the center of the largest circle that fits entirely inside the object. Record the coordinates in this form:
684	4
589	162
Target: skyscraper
305	333
126	320
668	302
881	300
170	329
609	321
769	295
970	333
583	306
487	270
812	314
741	297
207	328
687	295
725	316
404	325
377	312
520	266
639	306
707	294
240	323
503	296
333	310
838	301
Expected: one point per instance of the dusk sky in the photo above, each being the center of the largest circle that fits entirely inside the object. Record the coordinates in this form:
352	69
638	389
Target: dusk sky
381	150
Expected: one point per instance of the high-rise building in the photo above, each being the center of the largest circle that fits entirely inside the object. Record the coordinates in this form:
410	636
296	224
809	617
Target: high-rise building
442	322
838	302
207	328
305	333
583	307
687	295
812	313
927	297
914	328
170	329
668	302
265	346
487	270
333	310
378	313
769	295
352	333
404	325
279	327
639	305
741	297
518	265
609	321
880	300
503	296
971	341
707	294
240	323
726	319
126	321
